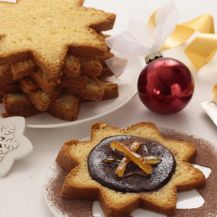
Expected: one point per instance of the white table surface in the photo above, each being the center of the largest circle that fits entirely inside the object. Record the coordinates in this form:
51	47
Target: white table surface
20	191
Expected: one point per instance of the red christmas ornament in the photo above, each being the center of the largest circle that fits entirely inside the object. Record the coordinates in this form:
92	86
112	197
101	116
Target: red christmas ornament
165	85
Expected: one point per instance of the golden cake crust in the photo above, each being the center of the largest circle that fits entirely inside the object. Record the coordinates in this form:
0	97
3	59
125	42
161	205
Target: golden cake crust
48	31
79	185
41	42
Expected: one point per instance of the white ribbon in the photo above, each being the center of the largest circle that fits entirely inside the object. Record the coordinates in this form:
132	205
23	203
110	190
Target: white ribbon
140	38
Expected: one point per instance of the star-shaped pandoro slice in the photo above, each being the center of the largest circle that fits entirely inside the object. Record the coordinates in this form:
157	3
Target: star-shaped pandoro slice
47	31
79	184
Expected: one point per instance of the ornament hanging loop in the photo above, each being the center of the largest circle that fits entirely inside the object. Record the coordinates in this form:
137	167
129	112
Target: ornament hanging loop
152	56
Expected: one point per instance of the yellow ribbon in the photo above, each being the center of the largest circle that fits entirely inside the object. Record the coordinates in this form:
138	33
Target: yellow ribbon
203	47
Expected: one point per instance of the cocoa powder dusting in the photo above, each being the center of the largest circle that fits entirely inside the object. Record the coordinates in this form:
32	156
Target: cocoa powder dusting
73	208
206	156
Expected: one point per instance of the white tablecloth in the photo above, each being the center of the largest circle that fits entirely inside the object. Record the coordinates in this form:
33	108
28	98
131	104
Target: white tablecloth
20	191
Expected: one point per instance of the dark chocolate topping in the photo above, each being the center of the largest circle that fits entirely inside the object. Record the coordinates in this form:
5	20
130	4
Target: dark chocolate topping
135	180
207	156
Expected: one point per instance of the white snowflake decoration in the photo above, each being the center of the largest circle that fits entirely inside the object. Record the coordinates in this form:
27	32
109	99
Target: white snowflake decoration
13	144
8	141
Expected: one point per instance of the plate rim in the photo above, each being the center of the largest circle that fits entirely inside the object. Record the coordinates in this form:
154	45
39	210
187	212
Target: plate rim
73	123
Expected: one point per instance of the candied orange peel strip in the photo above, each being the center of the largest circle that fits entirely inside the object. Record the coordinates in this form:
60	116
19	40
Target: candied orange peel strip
152	160
124	162
132	156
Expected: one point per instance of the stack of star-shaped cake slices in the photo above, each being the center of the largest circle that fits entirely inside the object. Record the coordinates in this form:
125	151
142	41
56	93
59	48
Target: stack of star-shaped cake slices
52	57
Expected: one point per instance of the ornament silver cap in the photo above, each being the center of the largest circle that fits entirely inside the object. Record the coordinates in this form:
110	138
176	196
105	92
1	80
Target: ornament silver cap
152	56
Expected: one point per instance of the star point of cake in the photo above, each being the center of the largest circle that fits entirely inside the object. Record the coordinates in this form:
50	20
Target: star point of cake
78	184
47	30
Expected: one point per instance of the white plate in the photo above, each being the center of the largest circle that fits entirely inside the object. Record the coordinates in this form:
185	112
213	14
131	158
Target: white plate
186	200
92	110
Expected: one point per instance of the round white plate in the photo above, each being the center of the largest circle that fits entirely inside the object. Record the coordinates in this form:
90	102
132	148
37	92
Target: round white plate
51	174
92	110
188	200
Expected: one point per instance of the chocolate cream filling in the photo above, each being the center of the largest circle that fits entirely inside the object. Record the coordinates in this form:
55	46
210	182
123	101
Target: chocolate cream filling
103	161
